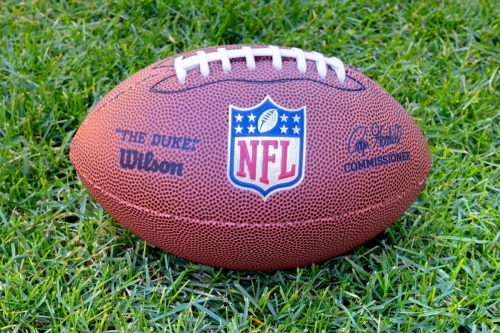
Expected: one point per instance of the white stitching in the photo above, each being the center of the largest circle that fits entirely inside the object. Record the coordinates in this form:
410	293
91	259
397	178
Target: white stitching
179	69
338	67
301	60
249	57
202	59
277	64
320	64
224	58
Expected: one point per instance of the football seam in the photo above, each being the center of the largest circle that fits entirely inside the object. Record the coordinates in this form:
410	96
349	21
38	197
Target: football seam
99	107
156	90
243	224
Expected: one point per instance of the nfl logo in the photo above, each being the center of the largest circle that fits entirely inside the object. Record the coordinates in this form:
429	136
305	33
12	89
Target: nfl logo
267	147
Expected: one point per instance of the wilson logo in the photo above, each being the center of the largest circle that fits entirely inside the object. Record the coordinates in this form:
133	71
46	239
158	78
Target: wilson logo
133	159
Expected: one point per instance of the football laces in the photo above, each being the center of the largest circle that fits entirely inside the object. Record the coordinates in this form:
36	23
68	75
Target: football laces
202	60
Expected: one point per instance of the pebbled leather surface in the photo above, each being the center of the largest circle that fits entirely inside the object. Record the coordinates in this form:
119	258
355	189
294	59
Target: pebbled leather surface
200	215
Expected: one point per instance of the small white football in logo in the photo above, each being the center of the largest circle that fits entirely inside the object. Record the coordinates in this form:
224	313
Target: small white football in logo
267	120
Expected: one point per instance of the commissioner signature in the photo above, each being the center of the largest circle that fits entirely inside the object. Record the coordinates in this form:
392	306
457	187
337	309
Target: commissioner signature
365	138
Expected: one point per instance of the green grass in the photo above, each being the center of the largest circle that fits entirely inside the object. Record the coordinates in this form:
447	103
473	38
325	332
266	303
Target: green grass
66	266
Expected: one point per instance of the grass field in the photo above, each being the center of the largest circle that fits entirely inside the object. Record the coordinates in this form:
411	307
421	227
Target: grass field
65	266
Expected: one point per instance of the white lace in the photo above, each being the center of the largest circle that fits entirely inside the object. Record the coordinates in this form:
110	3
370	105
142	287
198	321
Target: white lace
201	59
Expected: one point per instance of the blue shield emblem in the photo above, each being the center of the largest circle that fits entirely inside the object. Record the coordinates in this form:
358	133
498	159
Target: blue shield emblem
267	147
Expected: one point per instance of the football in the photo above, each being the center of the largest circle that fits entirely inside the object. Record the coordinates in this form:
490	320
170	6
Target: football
251	157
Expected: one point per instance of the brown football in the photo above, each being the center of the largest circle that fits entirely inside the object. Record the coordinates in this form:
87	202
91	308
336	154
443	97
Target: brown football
251	157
